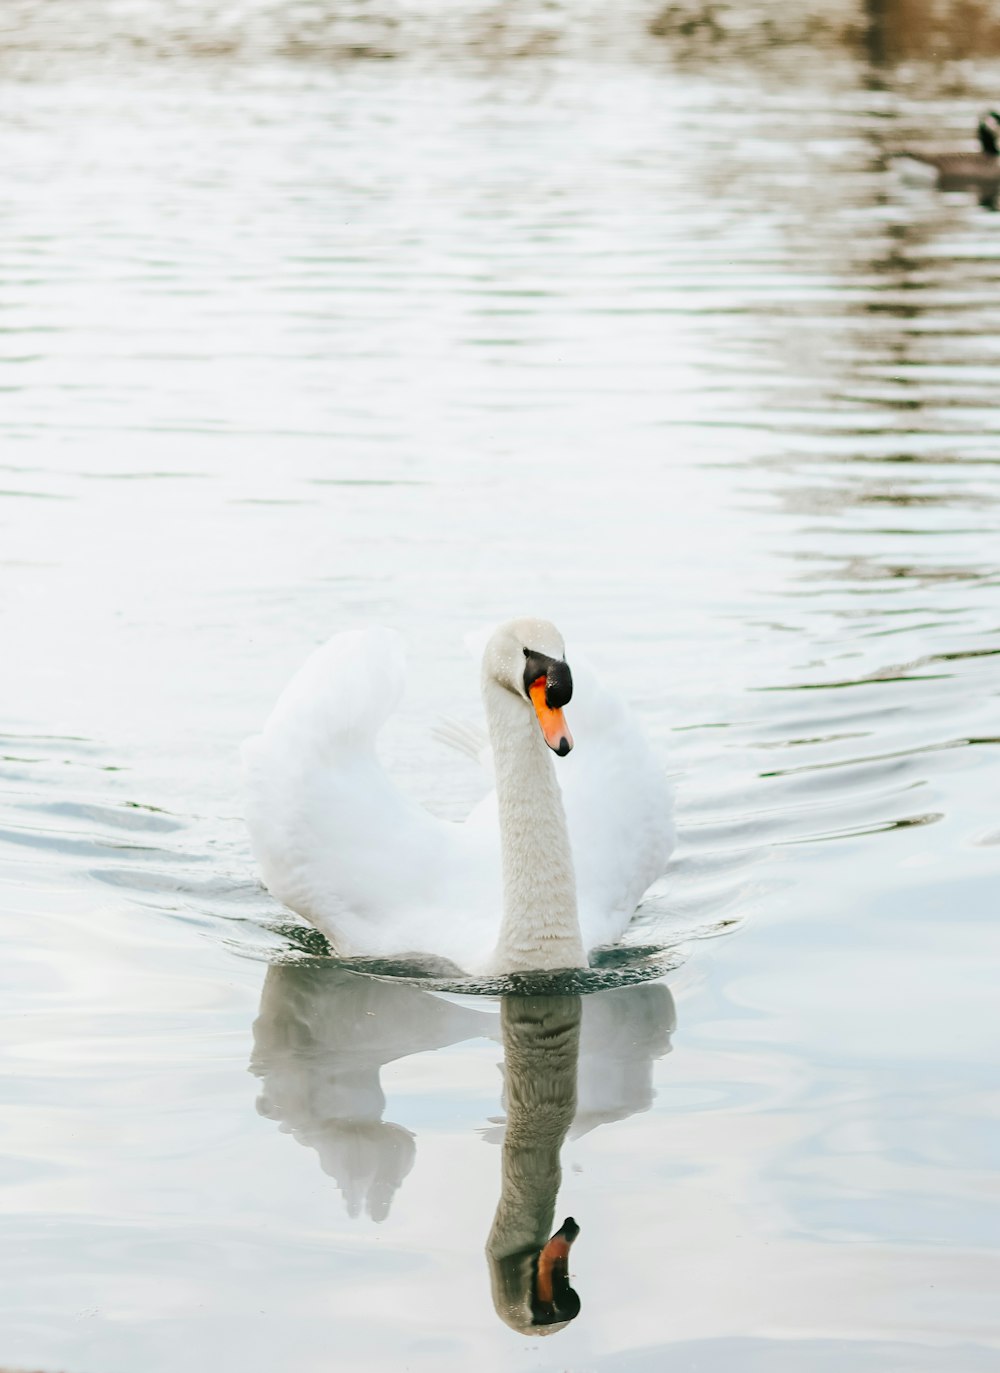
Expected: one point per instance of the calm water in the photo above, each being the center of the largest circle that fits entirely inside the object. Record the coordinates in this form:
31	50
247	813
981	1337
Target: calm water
670	353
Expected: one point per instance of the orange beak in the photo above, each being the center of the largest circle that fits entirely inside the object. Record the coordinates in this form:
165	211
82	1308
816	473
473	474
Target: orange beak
553	1259
555	730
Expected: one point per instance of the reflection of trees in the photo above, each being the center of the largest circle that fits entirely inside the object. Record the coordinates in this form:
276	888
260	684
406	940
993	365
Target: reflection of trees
931	30
890	30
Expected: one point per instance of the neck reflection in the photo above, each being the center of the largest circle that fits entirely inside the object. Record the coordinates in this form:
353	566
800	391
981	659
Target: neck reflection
529	1270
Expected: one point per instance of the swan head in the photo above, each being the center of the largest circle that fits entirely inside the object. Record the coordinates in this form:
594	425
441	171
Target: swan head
528	658
531	1290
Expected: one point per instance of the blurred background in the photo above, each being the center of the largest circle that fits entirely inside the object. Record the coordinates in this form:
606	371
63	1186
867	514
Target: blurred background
877	31
431	314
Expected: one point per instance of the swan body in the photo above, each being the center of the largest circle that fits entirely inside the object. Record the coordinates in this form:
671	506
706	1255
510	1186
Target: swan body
549	865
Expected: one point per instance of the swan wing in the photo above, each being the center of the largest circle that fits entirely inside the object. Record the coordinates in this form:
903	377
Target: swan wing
470	740
333	836
618	808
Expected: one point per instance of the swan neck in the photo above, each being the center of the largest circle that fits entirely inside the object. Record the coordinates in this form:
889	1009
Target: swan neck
539	928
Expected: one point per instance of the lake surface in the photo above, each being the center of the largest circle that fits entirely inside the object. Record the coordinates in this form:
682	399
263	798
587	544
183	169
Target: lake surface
668	351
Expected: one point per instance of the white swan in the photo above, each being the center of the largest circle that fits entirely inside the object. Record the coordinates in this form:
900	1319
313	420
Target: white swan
542	870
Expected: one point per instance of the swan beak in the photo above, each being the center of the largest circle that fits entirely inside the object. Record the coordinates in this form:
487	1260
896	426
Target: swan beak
553	1260
555	730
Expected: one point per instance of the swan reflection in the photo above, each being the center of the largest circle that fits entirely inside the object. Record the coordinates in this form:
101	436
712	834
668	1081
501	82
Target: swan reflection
320	1041
570	1064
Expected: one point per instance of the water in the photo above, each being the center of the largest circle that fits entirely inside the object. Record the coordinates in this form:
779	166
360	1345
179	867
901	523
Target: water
668	351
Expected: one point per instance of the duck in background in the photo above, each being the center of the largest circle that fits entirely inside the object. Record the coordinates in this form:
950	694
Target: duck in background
958	171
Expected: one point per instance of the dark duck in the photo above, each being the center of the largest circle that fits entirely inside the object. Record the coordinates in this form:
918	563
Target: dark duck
958	170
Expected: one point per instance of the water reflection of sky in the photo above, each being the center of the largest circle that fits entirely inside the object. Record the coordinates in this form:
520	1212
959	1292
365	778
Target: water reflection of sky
289	347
